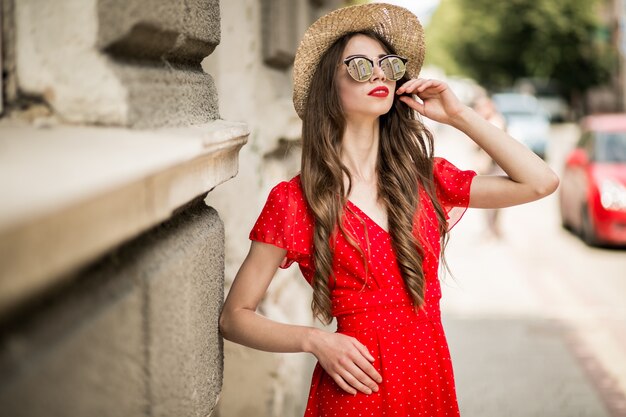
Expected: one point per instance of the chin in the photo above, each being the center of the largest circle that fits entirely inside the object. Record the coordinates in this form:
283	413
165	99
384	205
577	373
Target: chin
383	109
371	111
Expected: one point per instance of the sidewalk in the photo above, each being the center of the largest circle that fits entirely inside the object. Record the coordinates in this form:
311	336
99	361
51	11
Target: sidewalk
518	368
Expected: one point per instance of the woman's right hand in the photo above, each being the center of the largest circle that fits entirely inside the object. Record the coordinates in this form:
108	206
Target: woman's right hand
347	361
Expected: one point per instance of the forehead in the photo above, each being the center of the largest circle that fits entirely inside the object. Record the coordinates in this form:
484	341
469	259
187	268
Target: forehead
363	45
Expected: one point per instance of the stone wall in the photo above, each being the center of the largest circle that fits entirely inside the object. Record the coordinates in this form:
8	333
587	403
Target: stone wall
132	334
139	61
111	263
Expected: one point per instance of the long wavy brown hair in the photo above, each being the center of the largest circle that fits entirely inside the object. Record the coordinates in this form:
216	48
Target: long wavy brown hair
404	163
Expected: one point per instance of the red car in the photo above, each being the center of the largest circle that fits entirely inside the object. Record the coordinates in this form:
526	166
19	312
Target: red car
592	194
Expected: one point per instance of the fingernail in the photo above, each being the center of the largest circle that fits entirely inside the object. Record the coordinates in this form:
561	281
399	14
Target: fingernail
376	389
369	391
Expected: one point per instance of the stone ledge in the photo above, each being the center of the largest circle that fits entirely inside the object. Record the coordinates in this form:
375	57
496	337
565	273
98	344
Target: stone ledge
72	193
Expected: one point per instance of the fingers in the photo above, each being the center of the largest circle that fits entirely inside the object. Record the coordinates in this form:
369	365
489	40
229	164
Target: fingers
356	378
419	85
371	374
357	371
361	347
366	366
359	379
352	368
408	86
343	384
412	103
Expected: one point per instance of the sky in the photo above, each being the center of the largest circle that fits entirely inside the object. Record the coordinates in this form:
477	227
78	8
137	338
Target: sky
422	8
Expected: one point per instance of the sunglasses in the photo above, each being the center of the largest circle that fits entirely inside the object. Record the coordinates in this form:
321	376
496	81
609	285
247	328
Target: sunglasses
361	68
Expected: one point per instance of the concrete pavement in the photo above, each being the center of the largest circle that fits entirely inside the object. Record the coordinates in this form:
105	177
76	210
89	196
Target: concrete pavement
519	368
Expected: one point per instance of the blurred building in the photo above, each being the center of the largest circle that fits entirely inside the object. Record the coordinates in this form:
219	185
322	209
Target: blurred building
612	97
111	263
612	31
619	7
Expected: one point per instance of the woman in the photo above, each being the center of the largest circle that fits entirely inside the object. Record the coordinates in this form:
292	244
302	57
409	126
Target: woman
366	217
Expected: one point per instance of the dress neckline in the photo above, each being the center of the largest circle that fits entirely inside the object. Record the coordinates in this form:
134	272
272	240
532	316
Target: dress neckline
298	181
367	216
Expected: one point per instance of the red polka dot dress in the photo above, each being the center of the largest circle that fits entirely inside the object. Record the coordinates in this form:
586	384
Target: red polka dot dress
410	348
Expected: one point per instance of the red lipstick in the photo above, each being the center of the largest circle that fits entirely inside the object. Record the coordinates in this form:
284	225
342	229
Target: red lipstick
380	91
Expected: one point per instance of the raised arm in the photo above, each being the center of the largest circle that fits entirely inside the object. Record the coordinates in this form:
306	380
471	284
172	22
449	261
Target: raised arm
528	177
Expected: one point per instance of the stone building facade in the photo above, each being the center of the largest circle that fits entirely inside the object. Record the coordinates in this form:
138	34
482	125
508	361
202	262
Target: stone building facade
127	203
111	264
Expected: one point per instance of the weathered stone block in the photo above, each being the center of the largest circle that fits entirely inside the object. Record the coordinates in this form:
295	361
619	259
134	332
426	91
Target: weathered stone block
178	25
185	293
80	353
134	334
283	23
128	63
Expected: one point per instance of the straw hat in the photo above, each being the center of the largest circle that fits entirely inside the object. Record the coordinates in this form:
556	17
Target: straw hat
397	25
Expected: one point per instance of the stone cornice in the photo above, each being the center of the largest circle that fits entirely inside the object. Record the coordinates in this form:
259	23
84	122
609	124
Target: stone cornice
70	194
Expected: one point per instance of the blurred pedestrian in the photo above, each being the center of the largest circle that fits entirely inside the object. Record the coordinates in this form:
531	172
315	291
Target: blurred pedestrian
368	215
484	106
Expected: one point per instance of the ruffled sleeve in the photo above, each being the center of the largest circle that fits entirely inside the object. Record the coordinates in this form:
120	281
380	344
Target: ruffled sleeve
453	189
278	223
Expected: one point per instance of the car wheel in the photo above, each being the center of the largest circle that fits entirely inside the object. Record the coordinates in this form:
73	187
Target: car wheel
587	233
564	223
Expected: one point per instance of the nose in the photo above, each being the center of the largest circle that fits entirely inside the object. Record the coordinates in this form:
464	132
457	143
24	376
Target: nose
378	73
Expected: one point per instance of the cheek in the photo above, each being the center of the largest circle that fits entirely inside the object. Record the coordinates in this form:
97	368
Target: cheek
349	95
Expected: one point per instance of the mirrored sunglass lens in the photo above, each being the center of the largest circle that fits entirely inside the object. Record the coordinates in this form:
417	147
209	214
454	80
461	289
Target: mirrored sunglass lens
393	67
360	69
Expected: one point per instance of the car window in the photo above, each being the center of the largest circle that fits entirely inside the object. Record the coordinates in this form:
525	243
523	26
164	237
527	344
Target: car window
611	147
512	103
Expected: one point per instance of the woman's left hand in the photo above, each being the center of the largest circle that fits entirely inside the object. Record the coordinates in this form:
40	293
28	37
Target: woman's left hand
438	101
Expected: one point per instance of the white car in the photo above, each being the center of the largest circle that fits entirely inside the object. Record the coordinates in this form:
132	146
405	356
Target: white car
525	118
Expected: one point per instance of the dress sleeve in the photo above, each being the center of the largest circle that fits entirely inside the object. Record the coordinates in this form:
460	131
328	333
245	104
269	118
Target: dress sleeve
453	188
275	224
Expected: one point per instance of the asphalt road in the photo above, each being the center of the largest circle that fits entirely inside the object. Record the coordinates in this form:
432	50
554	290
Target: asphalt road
536	320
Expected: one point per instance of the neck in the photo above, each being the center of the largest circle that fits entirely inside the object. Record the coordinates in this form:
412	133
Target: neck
359	148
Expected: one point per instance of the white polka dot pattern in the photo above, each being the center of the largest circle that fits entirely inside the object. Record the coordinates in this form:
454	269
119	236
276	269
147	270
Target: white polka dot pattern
409	345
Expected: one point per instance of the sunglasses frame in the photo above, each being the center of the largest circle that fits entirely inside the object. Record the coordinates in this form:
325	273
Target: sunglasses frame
351	58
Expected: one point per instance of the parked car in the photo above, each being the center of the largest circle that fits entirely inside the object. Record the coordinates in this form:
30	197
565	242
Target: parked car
548	95
525	119
592	194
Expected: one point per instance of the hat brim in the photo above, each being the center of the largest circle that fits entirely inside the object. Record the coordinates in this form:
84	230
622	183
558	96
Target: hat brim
401	28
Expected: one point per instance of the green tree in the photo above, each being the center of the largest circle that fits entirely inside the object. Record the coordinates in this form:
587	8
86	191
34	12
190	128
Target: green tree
497	42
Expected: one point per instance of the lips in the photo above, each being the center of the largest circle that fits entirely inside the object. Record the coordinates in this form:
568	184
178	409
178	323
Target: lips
380	91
